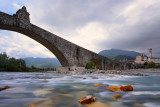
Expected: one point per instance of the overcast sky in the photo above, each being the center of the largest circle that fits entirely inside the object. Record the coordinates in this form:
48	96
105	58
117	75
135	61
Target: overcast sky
93	24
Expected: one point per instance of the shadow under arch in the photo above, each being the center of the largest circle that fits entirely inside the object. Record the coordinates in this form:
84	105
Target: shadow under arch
108	66
97	63
122	67
36	36
128	66
116	66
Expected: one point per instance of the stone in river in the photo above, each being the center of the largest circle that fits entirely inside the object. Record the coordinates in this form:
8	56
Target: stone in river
99	84
116	96
48	103
87	99
114	88
126	88
97	104
33	105
138	105
5	87
80	94
121	88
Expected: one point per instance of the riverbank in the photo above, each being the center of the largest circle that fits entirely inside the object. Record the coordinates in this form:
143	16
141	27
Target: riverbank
129	72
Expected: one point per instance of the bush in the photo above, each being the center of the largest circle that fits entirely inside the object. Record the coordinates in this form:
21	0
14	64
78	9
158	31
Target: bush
151	64
116	59
90	65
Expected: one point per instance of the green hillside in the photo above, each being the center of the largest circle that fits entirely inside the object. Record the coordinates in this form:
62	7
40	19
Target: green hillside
42	62
112	53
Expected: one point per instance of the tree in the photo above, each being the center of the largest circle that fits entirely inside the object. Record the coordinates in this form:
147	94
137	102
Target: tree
3	61
115	59
151	64
21	65
12	65
90	65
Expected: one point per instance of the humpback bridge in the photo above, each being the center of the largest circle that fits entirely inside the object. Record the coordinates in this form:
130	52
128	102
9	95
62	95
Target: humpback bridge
68	54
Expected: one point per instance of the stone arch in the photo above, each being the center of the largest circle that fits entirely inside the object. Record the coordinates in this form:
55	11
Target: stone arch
20	22
128	66
69	54
41	40
97	63
116	66
122	67
108	66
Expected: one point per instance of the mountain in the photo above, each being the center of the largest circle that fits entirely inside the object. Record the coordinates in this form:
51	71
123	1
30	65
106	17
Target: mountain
112	53
124	57
42	62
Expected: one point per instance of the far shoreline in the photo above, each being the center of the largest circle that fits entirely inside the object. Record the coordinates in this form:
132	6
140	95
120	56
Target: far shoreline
129	72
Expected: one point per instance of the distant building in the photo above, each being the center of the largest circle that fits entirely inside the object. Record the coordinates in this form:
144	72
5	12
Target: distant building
142	59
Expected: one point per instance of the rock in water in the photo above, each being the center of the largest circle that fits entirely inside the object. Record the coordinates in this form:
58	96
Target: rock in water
138	105
114	88
87	99
116	96
99	84
5	87
126	88
97	104
121	88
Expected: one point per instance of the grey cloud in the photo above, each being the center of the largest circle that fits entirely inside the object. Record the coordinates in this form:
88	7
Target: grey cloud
141	36
70	14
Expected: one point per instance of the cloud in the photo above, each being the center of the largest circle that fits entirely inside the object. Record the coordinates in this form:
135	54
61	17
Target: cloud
21	46
140	29
95	25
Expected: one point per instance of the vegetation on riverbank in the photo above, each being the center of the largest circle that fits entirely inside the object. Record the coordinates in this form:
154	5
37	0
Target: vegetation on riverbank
13	64
151	65
90	65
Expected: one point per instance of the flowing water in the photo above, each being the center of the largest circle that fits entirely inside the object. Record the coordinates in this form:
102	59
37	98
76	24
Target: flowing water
53	90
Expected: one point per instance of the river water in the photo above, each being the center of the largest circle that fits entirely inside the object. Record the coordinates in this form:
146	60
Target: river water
53	90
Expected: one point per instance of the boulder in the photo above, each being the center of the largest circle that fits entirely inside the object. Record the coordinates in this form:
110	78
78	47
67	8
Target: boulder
121	88
87	99
97	104
114	88
126	88
116	96
5	87
99	84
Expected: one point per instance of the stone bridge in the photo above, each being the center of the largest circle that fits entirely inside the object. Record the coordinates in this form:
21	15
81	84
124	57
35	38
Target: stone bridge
69	54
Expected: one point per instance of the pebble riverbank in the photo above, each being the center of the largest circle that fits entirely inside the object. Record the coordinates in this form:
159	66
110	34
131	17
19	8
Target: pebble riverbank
129	72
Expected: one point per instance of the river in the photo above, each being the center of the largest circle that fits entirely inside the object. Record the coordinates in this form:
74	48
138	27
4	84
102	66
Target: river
39	89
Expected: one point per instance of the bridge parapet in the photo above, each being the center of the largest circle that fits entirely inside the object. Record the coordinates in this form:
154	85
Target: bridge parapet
23	17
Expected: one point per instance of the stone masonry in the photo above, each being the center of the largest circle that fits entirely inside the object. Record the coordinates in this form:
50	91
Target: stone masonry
68	54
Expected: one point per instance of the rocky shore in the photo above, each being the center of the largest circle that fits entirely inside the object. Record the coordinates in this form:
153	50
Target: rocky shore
130	72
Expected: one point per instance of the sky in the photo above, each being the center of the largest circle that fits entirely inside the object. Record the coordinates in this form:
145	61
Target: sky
93	24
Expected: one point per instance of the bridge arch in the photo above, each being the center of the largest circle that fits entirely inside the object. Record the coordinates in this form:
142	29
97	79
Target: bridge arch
108	66
14	23
42	41
69	54
116	66
122	67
